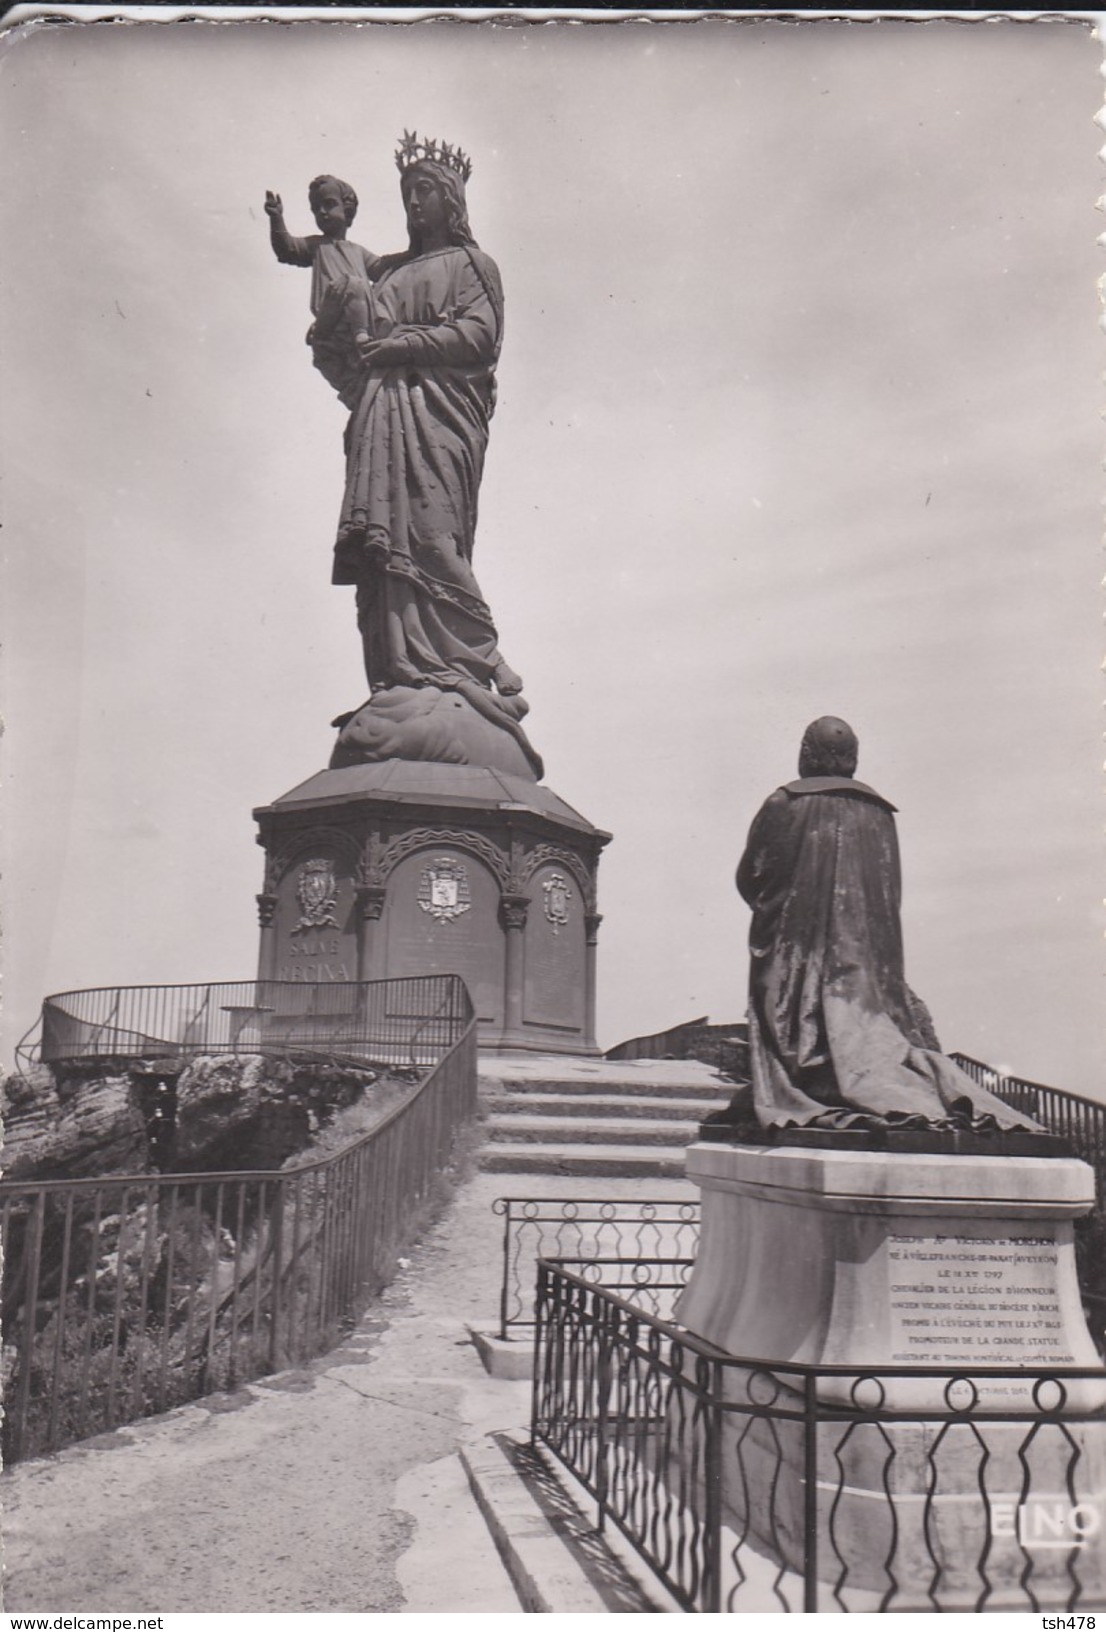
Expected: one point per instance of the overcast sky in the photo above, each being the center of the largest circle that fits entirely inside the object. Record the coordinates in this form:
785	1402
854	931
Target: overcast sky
798	414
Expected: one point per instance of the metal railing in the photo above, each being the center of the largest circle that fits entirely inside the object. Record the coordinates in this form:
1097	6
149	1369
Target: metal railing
125	1296
1082	1122
388	1021
743	1486
611	1234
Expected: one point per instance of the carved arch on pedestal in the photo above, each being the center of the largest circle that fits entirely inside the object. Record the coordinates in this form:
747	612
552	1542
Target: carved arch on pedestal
555	855
278	860
425	838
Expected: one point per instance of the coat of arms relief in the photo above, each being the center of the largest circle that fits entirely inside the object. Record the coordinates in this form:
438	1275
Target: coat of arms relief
317	894
444	890
557	898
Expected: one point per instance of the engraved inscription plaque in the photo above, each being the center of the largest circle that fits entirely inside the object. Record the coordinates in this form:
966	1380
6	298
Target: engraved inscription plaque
992	1301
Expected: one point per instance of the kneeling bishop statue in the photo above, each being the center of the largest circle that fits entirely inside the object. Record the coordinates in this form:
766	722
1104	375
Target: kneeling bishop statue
836	1037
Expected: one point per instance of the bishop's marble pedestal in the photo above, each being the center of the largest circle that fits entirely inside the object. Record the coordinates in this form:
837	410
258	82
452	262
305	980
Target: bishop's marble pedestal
866	1259
402	868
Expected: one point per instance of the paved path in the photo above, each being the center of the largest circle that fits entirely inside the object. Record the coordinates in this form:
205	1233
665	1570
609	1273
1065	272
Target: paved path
333	1488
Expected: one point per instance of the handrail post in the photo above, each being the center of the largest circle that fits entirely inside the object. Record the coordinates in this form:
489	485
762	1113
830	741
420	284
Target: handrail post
810	1494
506	1270
714	1419
540	1293
603	1383
276	1232
33	1258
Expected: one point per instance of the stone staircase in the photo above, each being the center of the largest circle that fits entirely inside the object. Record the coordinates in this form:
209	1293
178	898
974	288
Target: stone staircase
549	1113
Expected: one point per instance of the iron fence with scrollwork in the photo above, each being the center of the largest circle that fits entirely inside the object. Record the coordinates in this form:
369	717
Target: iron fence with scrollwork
749	1485
389	1021
613	1232
123	1296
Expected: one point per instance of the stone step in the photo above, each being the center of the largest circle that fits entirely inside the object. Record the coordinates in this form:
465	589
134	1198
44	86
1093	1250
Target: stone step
491	1085
570	1074
604	1105
600	1131
591	1161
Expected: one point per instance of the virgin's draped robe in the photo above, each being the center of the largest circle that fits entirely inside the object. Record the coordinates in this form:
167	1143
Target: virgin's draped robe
833	1027
415	454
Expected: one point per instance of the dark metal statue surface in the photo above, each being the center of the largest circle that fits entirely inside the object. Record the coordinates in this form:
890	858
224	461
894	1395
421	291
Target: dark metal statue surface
411	341
836	1037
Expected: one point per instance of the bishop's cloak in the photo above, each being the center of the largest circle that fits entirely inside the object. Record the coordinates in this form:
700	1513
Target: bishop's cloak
834	1030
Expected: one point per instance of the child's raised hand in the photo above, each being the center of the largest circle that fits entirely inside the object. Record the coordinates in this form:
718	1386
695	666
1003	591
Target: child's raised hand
273	205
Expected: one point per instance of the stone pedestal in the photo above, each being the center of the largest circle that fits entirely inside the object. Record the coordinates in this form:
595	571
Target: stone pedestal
398	868
841	1258
918	1516
870	1260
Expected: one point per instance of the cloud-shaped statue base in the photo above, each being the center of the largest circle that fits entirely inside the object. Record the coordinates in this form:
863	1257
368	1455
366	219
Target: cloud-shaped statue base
469	726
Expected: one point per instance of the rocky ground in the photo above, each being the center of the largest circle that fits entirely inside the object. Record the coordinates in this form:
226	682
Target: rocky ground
217	1111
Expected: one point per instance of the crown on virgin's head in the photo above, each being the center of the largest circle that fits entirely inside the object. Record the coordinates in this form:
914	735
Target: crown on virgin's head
412	148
